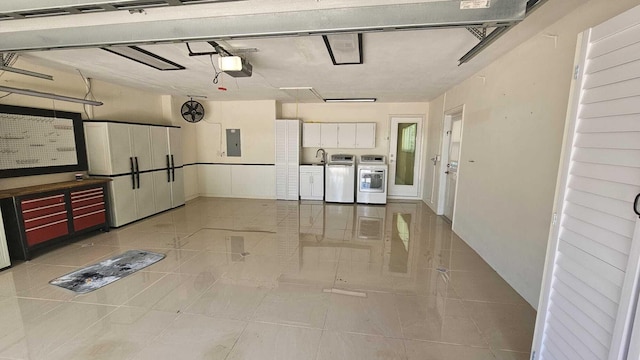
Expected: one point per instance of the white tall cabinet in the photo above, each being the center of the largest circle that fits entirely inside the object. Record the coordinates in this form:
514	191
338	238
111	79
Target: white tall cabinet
144	163
4	250
167	155
287	159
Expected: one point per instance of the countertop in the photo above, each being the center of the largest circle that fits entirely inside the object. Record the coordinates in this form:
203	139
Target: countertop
9	193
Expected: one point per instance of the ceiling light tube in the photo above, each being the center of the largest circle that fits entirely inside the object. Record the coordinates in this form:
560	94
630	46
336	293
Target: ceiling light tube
49	96
144	57
350	100
26	72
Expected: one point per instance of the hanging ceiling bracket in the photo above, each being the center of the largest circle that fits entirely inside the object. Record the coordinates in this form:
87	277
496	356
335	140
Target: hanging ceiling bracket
487	40
479	33
46	95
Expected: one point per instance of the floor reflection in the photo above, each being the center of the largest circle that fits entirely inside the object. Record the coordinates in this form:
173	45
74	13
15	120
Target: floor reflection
370	279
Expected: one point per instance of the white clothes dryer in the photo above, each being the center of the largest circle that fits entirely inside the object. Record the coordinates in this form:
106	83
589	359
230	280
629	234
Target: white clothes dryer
372	179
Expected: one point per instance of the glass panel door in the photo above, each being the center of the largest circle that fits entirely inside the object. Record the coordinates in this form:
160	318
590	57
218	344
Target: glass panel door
404	157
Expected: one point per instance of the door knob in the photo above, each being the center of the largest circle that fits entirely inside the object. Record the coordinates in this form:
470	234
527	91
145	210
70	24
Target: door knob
446	172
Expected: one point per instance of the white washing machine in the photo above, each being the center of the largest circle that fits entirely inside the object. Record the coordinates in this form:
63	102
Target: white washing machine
340	179
372	179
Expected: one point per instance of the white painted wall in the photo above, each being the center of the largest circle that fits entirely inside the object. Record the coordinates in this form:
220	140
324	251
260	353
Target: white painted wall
207	172
378	113
120	104
432	146
513	126
256	121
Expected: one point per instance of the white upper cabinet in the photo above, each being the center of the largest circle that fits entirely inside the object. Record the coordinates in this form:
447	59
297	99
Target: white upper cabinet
347	136
329	135
339	135
98	150
159	147
120	149
365	135
175	145
311	135
141	143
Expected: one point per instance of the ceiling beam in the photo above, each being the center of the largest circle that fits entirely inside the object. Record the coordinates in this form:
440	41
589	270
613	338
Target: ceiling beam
38	5
411	16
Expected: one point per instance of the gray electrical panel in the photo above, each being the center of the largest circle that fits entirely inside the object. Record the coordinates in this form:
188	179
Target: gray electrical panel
233	142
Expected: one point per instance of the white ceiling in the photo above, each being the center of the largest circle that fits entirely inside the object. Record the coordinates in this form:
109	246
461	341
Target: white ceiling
400	66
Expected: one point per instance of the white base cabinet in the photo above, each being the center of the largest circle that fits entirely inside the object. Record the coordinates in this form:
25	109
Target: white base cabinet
311	182
129	204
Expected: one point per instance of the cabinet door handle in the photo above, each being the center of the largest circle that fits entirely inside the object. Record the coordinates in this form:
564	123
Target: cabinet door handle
138	172
133	174
635	205
173	168
168	169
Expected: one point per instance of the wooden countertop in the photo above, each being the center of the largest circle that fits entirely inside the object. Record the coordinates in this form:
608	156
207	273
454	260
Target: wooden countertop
9	193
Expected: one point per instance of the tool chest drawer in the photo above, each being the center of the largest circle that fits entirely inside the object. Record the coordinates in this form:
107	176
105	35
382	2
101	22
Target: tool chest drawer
36	219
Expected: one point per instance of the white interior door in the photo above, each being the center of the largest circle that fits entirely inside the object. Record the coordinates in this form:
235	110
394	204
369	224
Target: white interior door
590	286
453	159
404	156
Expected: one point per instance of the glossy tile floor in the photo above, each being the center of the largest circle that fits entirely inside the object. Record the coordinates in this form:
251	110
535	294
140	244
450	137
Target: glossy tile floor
262	279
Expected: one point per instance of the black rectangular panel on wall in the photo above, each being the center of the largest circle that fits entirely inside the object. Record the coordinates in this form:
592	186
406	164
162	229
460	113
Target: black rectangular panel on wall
40	141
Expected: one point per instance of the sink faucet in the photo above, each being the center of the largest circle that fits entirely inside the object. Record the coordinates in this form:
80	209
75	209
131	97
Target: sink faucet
324	155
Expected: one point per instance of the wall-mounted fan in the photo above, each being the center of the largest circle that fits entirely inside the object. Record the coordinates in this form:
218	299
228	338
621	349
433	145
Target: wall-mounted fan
192	111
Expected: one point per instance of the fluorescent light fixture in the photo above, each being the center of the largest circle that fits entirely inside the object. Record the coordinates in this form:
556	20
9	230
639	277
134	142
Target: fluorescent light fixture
344	49
49	95
26	72
144	57
350	100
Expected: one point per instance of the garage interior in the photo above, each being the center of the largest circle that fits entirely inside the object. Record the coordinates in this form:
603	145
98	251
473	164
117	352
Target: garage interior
250	276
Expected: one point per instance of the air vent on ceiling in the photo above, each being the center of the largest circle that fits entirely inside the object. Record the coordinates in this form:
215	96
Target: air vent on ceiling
140	5
44	13
90	9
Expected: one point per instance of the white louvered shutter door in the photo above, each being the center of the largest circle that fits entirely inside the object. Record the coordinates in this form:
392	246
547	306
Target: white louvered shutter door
591	275
281	160
293	159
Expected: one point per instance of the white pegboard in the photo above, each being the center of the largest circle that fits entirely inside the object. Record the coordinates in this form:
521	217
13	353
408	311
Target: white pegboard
28	141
